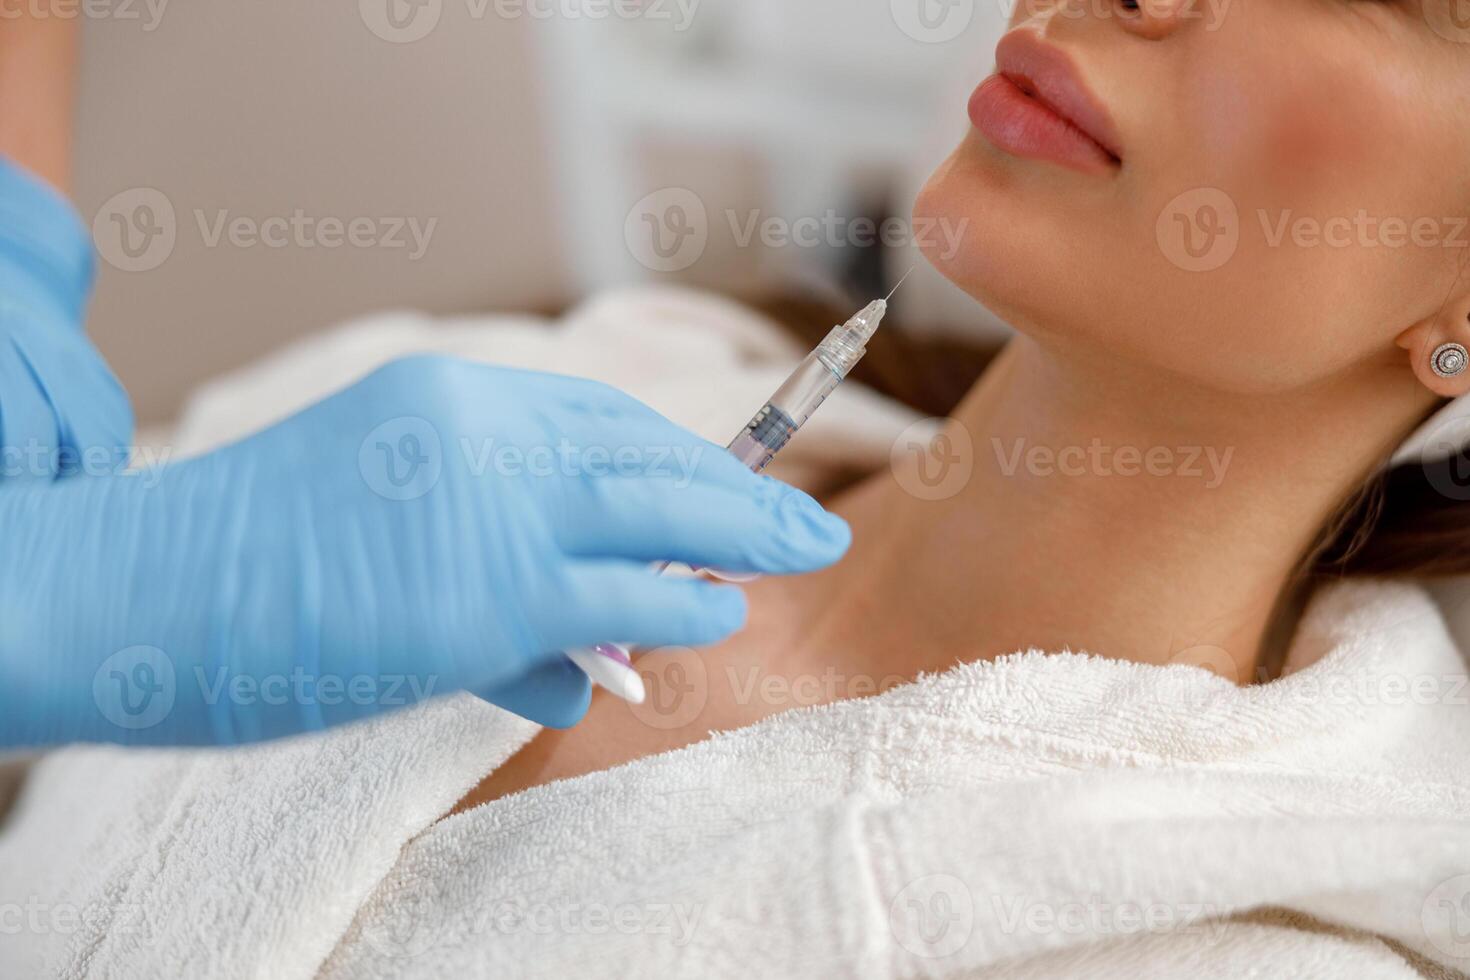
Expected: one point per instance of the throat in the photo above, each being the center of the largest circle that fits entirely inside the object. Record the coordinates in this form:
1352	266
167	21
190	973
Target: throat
1089	521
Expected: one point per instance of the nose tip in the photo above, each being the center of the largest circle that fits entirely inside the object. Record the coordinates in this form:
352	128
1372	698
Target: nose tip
1152	19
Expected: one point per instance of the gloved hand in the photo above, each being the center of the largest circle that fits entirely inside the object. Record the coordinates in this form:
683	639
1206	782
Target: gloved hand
439	526
61	410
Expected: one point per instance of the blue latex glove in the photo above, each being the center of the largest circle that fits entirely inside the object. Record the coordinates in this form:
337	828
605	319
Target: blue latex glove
61	410
439	526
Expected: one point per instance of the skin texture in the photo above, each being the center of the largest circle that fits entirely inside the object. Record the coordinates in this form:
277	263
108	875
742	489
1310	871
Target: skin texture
1305	363
37	79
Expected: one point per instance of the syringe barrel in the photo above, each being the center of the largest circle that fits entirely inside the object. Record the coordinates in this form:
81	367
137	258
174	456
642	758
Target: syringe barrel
787	411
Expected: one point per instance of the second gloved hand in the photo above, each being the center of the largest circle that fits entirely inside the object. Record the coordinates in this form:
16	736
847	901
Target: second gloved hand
439	526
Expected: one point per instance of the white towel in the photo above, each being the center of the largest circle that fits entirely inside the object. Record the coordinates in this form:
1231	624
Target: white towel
1038	816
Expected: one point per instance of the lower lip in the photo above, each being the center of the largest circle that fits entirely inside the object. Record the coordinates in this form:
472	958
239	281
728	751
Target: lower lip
1023	127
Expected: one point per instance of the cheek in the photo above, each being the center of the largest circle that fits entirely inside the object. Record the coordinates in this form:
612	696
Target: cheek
1322	133
1321	146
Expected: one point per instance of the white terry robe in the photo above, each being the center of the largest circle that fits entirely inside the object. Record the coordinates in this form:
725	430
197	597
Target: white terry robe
1036	816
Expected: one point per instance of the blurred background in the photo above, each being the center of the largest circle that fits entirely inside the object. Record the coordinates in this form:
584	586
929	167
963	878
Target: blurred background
254	172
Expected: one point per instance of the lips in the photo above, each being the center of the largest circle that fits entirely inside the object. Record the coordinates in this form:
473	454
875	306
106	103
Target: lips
1037	106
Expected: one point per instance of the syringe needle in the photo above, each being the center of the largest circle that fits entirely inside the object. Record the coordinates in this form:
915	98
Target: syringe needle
900	283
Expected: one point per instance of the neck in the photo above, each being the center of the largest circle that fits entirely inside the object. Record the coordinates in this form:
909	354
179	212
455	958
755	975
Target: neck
1120	514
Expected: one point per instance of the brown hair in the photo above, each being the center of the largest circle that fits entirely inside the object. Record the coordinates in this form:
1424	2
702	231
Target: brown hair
1411	521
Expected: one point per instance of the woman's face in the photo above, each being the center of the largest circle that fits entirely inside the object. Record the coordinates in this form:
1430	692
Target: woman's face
1285	194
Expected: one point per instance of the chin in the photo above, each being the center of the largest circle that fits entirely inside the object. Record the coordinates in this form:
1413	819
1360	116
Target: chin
1022	252
1061	259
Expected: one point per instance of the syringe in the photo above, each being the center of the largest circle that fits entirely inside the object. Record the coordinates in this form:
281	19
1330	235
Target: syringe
608	664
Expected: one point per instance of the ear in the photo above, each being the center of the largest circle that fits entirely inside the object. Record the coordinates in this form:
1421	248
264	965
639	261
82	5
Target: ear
1422	340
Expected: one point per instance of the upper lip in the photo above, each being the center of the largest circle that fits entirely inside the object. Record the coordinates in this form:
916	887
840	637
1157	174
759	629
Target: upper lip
1048	75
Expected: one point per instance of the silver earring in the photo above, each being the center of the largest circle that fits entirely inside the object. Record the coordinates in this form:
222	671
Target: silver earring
1450	360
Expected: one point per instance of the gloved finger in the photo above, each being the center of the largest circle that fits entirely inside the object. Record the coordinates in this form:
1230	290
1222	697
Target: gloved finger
628	602
650	447
28	427
774	530
555	694
93	415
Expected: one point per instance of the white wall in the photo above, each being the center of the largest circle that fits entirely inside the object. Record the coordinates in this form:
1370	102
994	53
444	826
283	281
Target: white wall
266	106
529	141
